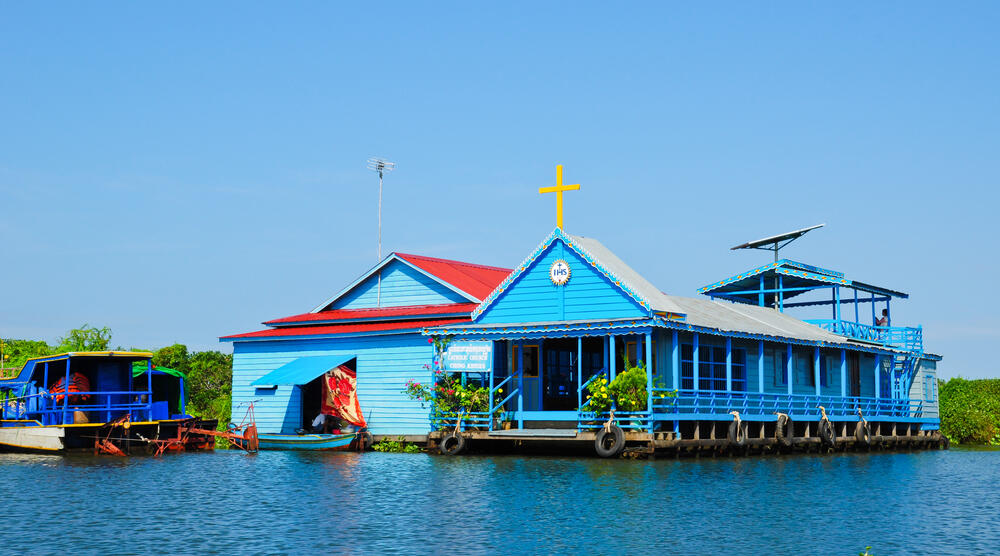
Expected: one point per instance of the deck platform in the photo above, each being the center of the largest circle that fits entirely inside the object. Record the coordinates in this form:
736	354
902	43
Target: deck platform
668	444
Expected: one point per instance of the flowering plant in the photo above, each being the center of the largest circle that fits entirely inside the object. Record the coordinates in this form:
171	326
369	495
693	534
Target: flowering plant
627	391
450	397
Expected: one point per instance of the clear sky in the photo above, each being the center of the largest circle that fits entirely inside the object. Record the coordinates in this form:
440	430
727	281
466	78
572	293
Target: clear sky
183	171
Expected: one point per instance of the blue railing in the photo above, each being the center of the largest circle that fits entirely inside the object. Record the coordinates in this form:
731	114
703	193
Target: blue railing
635	420
901	337
579	391
55	409
719	403
475	419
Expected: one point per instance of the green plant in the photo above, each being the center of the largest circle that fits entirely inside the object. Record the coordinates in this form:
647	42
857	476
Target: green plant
450	397
598	397
397	446
970	410
628	391
447	393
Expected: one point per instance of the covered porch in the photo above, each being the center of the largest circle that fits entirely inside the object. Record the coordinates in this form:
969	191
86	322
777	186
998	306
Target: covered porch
540	375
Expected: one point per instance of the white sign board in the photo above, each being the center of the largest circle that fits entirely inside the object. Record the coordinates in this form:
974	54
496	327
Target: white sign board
469	357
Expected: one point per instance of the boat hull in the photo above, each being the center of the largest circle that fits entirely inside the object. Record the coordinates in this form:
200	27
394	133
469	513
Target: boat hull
330	442
43	439
139	437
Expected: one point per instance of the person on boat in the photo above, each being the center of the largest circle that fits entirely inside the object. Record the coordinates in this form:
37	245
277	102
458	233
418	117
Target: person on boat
319	424
884	320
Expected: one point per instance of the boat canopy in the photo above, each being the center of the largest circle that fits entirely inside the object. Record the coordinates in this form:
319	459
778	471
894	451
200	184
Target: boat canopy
140	367
302	370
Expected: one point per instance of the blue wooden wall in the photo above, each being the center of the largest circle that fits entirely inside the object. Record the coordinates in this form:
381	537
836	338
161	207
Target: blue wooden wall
384	363
401	286
534	298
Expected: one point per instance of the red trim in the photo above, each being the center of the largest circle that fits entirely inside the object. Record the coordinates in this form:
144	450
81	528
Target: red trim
474	279
376	313
344	328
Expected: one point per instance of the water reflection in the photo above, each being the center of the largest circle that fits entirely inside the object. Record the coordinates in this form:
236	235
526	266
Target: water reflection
288	502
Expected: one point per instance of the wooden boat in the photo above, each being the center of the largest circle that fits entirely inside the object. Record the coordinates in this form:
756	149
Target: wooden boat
341	442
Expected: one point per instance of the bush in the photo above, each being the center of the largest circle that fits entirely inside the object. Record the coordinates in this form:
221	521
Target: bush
970	410
450	397
628	391
397	446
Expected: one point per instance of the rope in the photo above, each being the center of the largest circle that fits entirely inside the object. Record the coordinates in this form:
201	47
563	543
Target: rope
739	425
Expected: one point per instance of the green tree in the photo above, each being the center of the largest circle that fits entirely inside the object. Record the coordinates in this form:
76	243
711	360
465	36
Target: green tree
970	410
210	383
13	353
173	357
85	338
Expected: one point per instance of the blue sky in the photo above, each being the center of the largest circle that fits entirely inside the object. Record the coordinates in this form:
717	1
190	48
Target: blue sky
180	172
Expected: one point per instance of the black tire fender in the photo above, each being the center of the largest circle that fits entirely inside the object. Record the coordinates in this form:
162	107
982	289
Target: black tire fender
738	433
452	444
784	431
365	440
863	434
610	442
827	433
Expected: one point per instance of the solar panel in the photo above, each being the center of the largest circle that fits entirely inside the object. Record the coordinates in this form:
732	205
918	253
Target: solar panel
772	240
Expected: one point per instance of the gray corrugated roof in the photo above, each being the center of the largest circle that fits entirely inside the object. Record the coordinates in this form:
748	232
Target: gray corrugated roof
751	319
658	300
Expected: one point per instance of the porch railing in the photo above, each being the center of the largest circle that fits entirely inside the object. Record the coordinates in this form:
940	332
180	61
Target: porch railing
475	419
55	408
636	420
900	337
719	403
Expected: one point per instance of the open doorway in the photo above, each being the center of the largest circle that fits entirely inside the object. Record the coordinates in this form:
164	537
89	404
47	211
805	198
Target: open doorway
312	397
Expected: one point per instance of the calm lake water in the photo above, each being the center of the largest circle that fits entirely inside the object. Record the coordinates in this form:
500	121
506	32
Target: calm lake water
285	502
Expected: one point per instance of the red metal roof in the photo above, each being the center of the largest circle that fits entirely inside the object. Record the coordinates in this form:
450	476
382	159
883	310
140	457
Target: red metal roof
473	279
343	328
380	313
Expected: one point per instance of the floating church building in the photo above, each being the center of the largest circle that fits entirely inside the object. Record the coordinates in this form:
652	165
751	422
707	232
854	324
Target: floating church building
544	342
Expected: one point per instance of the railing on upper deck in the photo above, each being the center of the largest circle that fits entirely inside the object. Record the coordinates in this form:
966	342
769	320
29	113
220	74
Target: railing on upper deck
900	337
719	403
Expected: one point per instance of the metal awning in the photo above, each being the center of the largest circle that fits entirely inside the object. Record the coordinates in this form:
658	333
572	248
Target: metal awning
302	370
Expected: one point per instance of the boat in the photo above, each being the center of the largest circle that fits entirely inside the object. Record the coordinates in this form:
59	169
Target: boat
108	402
329	442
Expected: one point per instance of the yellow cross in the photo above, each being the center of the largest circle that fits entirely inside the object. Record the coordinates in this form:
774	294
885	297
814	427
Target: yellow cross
558	190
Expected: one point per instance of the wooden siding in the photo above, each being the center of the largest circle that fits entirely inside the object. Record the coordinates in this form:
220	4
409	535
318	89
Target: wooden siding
926	370
384	364
587	295
401	286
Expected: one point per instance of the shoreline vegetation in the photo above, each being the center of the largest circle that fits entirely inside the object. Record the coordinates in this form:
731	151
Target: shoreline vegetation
208	386
970	409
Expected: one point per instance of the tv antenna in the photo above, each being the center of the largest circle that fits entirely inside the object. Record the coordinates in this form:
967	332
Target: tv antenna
381	166
775	243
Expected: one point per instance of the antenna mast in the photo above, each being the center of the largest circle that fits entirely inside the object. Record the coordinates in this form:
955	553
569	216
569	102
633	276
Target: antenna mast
380	165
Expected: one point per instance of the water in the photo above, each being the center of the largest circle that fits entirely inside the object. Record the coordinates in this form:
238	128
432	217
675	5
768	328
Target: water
292	503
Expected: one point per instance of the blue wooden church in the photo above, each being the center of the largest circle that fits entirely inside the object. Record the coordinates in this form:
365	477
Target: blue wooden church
572	313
